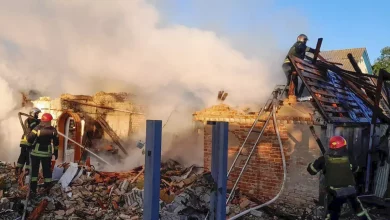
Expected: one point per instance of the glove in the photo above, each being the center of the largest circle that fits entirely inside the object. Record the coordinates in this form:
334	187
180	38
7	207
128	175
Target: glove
55	154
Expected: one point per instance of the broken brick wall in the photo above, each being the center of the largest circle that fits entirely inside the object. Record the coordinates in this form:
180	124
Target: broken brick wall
127	119
264	174
138	123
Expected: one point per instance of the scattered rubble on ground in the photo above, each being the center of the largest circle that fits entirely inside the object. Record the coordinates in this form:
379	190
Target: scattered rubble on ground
84	193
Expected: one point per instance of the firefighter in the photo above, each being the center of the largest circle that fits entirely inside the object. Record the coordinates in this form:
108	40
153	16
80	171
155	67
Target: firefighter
24	159
299	50
339	179
42	137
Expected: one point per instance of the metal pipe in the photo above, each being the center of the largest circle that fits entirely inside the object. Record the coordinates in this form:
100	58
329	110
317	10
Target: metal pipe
222	150
152	169
66	137
214	170
284	171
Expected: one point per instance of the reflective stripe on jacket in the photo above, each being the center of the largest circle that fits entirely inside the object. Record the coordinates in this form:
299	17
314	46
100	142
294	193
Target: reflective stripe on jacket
43	137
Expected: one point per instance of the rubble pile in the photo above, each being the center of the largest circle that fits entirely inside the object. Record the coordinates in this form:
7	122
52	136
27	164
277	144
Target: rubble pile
81	192
9	192
84	193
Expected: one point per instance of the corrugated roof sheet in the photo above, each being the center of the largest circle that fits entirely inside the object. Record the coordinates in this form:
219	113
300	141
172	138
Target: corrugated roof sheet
341	56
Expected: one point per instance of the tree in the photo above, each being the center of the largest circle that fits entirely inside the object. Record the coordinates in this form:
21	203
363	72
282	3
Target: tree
383	61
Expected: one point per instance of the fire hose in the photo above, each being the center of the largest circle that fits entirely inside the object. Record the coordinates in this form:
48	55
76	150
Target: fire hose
25	132
284	171
63	135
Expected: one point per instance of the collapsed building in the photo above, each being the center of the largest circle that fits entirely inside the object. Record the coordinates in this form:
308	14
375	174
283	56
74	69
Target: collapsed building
102	122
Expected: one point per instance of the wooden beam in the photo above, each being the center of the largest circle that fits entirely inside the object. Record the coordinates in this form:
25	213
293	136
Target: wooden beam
326	117
309	69
317	52
107	128
354	63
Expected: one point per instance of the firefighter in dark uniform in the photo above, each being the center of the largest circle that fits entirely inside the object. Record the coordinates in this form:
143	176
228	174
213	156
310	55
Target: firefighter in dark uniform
24	159
299	50
339	179
42	137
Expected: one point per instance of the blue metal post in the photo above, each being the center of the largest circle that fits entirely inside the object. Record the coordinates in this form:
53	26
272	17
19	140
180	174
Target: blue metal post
152	169
214	168
222	132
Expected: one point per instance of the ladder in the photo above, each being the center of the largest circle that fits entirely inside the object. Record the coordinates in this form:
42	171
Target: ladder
273	99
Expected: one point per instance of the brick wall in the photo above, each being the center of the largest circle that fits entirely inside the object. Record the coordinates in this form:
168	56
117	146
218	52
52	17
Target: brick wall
264	174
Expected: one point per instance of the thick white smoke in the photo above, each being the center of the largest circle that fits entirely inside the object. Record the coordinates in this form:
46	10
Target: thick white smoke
81	47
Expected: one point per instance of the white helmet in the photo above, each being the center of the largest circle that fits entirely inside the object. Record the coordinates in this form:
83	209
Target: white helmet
35	111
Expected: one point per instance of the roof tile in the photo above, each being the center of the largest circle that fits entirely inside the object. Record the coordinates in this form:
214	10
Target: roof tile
341	56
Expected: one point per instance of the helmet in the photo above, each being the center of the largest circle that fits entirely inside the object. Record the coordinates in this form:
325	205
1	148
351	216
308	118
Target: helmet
337	142
35	111
302	38
46	117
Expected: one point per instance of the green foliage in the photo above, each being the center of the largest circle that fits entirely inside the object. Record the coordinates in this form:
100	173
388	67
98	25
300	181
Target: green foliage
383	61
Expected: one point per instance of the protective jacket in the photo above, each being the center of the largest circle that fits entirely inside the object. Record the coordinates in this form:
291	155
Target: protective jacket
29	124
43	136
299	50
338	170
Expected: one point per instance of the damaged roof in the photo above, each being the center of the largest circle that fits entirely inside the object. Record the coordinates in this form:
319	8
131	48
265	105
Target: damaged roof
341	56
342	96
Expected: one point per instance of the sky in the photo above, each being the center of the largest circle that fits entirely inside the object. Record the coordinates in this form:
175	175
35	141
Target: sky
342	24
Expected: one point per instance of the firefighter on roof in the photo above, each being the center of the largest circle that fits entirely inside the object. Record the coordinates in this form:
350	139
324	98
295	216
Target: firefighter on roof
24	159
299	50
42	137
339	179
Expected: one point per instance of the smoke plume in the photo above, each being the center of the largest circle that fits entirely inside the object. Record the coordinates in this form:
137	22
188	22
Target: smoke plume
81	47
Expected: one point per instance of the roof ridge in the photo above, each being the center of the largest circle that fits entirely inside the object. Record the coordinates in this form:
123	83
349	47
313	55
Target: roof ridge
357	48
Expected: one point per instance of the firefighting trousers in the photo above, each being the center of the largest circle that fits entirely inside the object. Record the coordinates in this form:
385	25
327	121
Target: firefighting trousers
46	168
335	204
24	158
